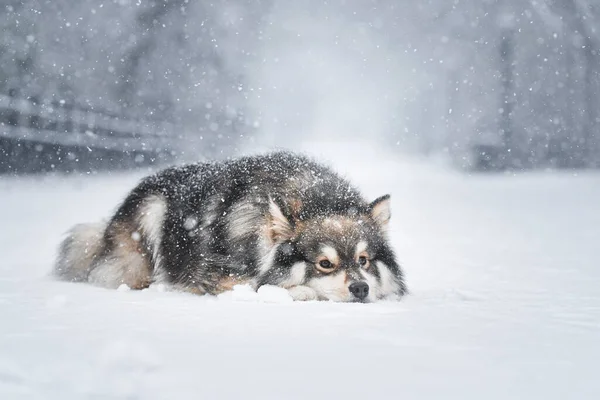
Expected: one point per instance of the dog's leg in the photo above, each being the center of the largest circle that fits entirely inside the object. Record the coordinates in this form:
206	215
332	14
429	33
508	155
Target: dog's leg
129	268
302	293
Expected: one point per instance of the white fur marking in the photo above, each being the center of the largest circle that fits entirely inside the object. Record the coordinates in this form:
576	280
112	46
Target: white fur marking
360	247
331	287
267	258
151	218
389	284
330	253
297	275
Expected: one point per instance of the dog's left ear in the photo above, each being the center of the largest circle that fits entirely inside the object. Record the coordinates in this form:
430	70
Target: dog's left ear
281	227
380	210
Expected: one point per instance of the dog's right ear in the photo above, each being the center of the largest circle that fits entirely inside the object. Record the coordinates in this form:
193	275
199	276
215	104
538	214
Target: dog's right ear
380	211
281	227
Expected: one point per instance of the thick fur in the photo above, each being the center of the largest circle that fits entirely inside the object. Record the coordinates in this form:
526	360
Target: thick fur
271	219
79	250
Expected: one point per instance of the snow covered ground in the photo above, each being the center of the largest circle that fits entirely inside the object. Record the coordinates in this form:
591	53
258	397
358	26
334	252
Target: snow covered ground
505	304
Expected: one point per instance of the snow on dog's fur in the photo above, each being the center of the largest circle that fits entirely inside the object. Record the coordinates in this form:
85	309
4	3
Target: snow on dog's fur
278	219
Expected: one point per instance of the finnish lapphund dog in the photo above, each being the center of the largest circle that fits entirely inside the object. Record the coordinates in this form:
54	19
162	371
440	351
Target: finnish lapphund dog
277	219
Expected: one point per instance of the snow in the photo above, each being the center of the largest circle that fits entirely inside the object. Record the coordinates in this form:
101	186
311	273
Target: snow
264	294
503	272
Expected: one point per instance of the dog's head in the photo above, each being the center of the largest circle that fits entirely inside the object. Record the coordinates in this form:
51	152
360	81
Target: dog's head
343	256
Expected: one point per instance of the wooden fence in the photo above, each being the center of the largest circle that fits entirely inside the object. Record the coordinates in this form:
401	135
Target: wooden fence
38	136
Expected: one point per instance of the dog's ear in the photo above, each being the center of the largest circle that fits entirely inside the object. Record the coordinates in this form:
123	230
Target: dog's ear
380	210
281	227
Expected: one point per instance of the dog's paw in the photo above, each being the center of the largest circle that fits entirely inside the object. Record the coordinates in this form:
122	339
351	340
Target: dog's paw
302	293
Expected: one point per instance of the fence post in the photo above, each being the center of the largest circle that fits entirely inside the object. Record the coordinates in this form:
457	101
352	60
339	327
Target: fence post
13	115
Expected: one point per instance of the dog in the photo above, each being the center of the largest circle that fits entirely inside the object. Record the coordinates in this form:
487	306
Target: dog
278	219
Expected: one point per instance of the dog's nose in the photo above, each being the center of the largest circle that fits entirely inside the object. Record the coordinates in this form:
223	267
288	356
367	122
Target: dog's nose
360	290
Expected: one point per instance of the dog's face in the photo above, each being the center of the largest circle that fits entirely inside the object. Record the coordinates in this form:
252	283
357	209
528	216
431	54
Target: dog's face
342	258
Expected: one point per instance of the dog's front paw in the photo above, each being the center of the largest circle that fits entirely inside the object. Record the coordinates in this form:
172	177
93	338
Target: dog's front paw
302	293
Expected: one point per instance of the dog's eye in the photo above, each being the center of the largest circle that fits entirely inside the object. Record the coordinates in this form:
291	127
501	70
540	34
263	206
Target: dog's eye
325	266
362	260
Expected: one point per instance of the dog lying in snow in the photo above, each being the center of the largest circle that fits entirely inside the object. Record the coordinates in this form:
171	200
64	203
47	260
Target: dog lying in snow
277	219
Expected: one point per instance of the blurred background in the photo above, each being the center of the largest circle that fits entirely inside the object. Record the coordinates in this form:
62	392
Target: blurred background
484	85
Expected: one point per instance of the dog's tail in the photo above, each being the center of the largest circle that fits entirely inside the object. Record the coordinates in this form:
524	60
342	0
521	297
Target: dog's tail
78	251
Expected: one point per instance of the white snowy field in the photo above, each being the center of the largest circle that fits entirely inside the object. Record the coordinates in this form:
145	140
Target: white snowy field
504	274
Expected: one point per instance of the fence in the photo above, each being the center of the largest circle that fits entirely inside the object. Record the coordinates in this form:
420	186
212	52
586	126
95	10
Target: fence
38	136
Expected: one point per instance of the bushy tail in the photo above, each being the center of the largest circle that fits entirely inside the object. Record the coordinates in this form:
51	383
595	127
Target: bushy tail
83	244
